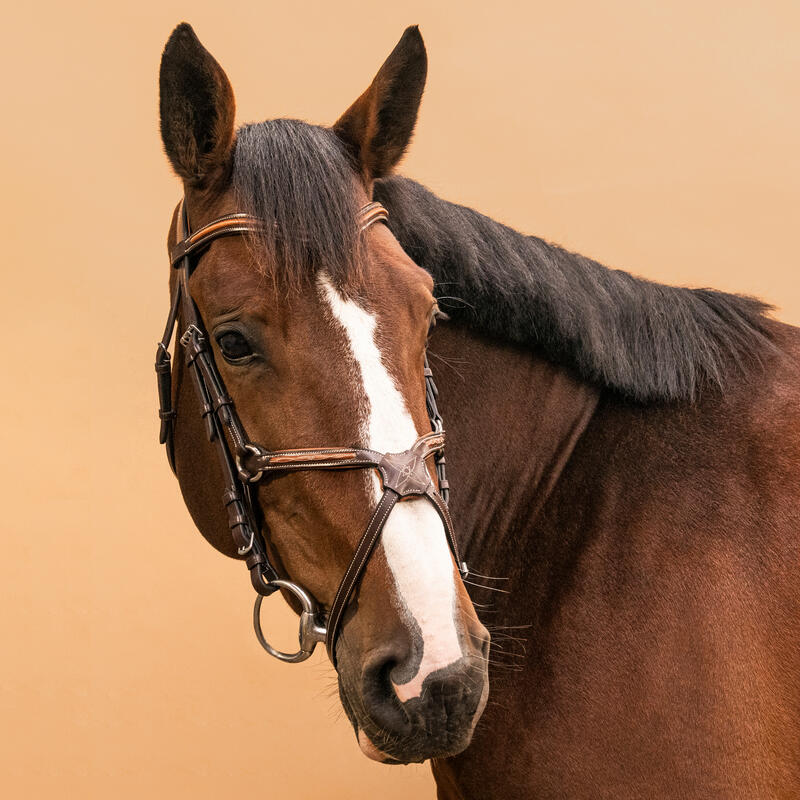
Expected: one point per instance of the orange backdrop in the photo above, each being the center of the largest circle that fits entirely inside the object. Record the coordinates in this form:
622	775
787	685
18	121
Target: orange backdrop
658	137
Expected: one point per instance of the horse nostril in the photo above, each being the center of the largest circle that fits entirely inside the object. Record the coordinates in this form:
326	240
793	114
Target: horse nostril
378	693
451	692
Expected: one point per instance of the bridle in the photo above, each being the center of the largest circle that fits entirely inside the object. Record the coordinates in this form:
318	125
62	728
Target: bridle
244	463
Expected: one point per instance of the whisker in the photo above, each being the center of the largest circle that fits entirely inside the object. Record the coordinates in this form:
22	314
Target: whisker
511	627
448	362
488	588
457	299
499	636
503	654
515	643
486	577
498	665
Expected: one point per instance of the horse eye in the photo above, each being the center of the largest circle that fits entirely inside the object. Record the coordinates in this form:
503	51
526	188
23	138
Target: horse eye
234	346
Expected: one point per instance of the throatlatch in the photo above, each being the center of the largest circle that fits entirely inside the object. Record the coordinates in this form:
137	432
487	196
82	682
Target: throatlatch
244	463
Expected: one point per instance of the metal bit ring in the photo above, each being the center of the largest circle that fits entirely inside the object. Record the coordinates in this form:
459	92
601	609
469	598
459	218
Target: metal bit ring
312	624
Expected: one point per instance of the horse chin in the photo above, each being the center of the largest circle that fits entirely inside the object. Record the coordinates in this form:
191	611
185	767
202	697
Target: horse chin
414	755
371	751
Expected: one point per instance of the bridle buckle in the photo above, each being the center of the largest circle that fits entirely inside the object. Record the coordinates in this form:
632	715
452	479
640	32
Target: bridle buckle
245	474
243	551
192	332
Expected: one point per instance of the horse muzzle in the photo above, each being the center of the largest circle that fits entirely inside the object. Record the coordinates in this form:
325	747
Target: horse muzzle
438	722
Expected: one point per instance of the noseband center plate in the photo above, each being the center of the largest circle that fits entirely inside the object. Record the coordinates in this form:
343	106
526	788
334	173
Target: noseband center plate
405	473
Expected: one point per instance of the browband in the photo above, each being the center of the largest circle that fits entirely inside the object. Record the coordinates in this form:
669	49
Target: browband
223	226
245	223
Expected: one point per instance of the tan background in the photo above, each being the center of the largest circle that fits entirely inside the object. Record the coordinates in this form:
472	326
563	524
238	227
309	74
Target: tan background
659	137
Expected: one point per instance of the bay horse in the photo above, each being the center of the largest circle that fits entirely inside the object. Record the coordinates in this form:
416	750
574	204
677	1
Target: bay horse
624	459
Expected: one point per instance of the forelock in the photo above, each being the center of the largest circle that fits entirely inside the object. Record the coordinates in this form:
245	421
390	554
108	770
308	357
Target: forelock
298	179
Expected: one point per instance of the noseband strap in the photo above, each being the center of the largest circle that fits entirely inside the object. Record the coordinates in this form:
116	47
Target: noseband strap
403	475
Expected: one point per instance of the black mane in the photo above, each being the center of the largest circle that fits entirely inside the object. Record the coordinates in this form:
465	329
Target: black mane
644	340
641	339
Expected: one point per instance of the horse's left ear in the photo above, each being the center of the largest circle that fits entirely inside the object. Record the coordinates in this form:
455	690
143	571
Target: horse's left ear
378	126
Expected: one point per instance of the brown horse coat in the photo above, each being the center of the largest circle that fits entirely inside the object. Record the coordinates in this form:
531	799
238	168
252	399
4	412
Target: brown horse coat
655	553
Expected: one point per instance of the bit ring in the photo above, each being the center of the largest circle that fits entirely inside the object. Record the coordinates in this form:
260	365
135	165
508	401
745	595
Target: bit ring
312	624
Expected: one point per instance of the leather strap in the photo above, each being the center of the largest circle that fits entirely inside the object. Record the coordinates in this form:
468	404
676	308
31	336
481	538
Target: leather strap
258	461
353	574
241	223
224	226
244	463
371	213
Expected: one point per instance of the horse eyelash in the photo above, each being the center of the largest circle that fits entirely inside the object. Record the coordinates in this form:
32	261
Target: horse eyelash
436	315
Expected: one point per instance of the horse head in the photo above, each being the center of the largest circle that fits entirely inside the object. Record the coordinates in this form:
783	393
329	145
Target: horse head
316	326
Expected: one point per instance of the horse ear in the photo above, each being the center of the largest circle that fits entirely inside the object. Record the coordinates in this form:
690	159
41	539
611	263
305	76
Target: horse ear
197	110
378	126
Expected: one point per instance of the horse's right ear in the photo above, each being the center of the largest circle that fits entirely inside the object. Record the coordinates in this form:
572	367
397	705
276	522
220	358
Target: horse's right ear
197	110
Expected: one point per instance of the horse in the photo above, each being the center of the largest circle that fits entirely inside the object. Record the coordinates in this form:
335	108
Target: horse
623	460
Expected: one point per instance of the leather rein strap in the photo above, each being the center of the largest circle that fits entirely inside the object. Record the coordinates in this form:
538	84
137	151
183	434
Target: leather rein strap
243	463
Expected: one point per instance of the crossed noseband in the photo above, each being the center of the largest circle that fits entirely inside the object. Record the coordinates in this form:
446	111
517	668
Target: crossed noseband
243	463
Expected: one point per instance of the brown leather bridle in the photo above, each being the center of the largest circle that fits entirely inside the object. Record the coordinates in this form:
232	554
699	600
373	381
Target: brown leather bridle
243	463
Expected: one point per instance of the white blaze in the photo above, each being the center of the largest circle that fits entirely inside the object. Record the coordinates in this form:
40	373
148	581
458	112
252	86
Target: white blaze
413	538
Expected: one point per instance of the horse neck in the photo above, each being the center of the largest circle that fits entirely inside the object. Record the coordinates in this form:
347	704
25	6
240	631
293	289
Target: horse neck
512	421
